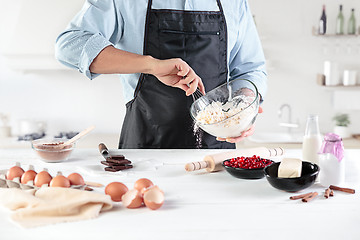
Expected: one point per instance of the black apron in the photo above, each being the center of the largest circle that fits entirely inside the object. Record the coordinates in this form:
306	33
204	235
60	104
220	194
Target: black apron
159	115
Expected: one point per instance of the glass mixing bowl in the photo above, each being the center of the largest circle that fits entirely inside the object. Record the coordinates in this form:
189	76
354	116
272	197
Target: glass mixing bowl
46	149
227	110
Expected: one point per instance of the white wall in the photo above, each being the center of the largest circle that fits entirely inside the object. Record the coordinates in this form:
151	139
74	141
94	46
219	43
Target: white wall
295	57
68	101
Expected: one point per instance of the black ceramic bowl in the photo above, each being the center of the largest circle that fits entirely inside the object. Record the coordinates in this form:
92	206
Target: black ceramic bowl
308	175
255	173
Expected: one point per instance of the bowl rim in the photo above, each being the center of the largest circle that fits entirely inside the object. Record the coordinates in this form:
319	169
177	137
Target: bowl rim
38	141
246	169
307	175
237	79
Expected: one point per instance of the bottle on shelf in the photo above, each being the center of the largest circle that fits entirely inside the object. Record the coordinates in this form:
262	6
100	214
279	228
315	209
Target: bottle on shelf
322	23
312	140
340	22
352	23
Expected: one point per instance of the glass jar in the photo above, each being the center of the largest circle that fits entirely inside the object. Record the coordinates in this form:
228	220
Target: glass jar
331	158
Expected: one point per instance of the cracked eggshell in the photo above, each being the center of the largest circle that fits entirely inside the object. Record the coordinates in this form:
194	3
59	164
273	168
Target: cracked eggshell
142	184
154	197
132	199
42	178
14	172
116	190
29	175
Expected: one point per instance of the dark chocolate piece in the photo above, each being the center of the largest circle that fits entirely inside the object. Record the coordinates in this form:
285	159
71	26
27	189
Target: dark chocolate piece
116	157
116	161
107	163
110	169
114	164
118	168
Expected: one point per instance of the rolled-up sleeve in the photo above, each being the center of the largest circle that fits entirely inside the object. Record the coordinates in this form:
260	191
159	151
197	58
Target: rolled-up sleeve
247	58
95	27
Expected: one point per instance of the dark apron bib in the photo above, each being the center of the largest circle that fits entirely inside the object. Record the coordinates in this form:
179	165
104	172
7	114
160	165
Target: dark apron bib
159	115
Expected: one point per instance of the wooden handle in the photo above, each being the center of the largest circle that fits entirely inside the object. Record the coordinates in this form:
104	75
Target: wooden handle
195	166
93	184
79	135
103	149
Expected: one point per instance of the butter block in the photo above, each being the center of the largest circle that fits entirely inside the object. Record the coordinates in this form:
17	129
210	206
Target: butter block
290	168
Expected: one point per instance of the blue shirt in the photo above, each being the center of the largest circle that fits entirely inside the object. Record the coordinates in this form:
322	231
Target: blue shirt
121	23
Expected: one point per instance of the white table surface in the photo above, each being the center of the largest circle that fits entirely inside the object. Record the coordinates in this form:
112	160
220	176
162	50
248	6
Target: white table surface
198	205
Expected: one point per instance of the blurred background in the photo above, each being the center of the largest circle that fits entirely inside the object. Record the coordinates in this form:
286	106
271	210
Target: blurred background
38	94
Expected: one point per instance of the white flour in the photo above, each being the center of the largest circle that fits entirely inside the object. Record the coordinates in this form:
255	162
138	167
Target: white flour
227	120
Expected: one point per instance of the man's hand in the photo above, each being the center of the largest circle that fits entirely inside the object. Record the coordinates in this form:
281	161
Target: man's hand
243	135
177	73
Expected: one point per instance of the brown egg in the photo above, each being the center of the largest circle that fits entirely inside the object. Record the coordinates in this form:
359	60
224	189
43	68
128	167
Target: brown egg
14	172
132	199
116	190
76	179
60	181
29	175
42	178
142	184
153	197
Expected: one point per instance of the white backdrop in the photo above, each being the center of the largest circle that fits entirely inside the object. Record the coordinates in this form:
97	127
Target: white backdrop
67	101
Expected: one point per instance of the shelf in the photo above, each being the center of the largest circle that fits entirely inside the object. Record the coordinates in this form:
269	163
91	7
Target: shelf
320	80
337	35
341	87
332	35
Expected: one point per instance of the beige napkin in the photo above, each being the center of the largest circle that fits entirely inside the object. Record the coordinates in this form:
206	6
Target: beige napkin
51	205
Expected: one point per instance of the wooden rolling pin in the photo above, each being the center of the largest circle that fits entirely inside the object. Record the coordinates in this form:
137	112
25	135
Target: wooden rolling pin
213	163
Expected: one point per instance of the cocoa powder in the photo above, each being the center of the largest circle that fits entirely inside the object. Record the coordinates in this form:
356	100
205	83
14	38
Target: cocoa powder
51	151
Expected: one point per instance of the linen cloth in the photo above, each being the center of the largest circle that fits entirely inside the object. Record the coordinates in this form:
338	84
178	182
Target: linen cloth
50	205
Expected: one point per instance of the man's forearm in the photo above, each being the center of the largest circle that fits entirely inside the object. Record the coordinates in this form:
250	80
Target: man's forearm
112	60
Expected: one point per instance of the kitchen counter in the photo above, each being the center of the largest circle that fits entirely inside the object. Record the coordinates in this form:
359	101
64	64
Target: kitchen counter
198	205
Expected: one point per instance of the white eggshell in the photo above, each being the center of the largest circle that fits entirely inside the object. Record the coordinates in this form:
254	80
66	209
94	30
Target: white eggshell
154	197
132	199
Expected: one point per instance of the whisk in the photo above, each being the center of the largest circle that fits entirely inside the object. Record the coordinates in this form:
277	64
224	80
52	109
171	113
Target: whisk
199	97
197	94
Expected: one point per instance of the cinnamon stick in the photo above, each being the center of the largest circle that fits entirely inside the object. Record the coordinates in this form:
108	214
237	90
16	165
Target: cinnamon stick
347	190
327	193
301	196
331	193
311	197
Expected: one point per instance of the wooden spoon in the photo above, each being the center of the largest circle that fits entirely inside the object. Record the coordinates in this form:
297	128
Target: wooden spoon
79	135
70	141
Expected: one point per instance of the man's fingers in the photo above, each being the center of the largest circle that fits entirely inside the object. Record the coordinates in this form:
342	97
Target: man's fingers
243	135
183	68
260	110
193	86
201	87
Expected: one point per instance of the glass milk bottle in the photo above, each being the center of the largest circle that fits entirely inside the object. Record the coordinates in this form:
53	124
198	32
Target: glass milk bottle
332	162
312	140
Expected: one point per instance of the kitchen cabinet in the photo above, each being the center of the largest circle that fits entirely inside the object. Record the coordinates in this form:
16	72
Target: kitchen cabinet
29	29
